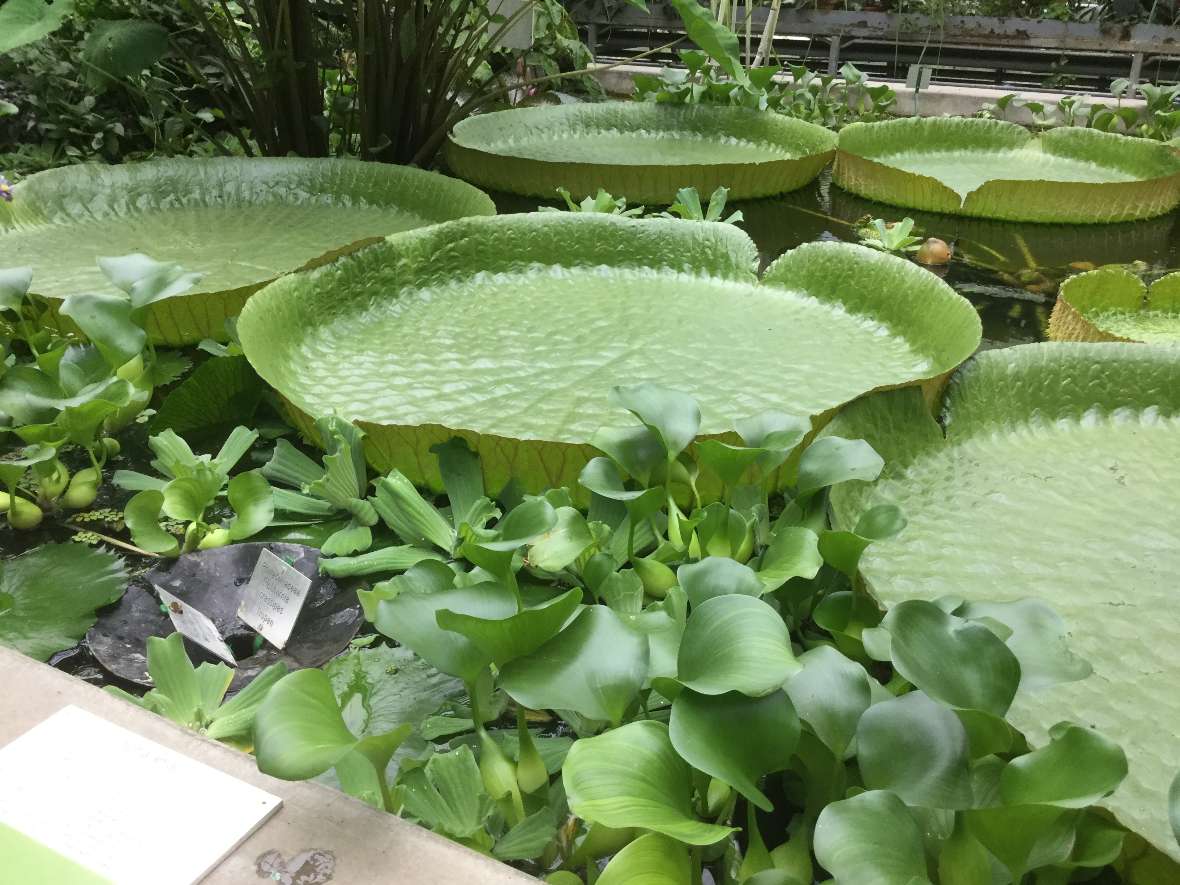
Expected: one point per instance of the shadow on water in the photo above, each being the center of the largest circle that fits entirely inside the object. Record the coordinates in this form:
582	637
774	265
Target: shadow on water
1009	271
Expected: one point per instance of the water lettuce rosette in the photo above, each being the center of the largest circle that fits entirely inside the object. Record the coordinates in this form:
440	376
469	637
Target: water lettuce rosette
638	150
511	331
994	169
239	222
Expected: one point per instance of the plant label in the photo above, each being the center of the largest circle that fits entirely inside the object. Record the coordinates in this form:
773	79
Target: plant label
274	598
196	626
147	814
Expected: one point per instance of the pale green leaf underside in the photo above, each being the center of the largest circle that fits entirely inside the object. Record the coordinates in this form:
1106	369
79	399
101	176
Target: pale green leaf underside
240	222
511	331
1113	303
644	152
995	169
1058	480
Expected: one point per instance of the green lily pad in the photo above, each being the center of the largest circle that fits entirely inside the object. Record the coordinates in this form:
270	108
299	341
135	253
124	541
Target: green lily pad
48	596
994	169
644	152
511	332
1112	304
240	222
1057	479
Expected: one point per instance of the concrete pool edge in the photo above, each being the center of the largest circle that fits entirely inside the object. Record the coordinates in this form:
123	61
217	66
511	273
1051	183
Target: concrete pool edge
367	845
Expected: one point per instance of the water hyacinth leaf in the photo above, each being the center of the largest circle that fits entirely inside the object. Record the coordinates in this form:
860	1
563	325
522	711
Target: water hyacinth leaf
1076	769
729	462
505	639
923	638
987	735
389	376
525	524
562	544
595	667
870	838
48	596
793	552
299	732
830	693
325	206
622	592
917	749
1038	639
142	517
997	169
106	321
1025	837
638	450
832	460
1074	435
652	859
447	794
602	477
249	494
411	619
14	284
735	643
963	860
633	777
717	576
735	738
673	416
145	280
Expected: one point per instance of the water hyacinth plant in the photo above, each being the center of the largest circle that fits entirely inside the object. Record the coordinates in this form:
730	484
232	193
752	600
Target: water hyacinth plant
782	722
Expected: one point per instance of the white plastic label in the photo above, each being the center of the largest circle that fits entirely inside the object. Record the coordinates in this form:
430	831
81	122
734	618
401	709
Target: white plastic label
145	815
274	598
196	626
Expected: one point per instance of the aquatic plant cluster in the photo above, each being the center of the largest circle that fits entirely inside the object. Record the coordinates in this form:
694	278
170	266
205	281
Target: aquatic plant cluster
647	560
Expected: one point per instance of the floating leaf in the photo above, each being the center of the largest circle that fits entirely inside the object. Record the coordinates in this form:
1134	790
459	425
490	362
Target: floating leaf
1076	769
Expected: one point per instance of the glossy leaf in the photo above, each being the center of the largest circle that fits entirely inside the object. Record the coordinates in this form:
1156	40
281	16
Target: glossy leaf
735	738
1038	639
653	859
832	460
633	777
793	552
142	517
595	667
672	415
924	639
830	693
735	643
870	838
522	633
917	749
1077	768
249	494
717	576
1025	837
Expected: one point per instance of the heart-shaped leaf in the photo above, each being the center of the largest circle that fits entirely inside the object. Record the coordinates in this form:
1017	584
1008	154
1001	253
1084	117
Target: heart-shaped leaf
717	576
1037	638
506	639
830	693
917	749
1077	768
595	667
411	619
735	643
633	777
961	663
653	859
870	838
735	738
793	552
833	460
673	416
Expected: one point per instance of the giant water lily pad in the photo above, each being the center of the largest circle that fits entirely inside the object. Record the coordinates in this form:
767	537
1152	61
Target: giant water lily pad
240	222
644	152
48	596
994	169
511	332
1057	479
213	582
1112	304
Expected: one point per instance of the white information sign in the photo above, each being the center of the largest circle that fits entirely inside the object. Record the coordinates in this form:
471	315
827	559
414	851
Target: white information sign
274	598
136	812
196	626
